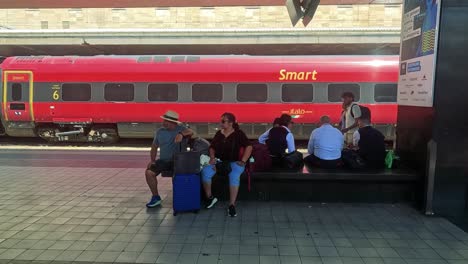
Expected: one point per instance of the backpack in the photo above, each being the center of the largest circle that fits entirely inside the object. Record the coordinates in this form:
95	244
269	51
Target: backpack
262	158
352	160
293	160
364	110
201	145
277	142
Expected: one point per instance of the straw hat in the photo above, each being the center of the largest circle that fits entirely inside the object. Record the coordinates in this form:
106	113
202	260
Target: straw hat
171	116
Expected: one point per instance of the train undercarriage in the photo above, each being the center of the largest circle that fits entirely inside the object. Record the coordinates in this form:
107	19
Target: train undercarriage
62	132
85	132
78	133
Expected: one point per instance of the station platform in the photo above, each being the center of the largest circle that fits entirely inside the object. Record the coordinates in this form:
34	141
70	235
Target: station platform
89	207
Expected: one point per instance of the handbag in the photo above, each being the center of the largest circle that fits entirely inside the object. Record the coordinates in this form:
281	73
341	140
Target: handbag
293	160
223	168
351	159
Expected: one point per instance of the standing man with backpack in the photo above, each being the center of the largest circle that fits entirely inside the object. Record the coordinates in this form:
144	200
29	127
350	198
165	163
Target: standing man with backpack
350	115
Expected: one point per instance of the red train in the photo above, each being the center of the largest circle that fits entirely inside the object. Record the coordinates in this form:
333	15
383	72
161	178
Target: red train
102	98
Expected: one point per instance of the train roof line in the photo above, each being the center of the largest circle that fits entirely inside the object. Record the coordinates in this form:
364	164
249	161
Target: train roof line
203	56
201	30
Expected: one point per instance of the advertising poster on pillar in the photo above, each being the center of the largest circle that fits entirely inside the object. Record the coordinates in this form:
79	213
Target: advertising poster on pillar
419	35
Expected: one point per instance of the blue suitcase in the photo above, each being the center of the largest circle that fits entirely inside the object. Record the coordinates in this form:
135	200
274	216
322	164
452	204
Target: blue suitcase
186	184
186	193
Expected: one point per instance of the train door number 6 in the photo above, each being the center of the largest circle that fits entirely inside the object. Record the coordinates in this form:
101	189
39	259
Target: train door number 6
55	95
56	92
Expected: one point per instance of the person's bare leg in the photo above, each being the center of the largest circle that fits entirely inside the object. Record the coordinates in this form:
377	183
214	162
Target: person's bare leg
207	188
233	191
152	182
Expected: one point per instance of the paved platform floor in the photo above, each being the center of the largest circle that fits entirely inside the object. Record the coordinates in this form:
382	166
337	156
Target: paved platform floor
82	213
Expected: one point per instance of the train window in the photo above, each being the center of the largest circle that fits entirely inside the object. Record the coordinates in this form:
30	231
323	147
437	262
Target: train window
163	92
76	92
17	106
178	59
193	59
386	92
335	90
160	58
207	92
297	92
119	92
143	59
16	92
252	92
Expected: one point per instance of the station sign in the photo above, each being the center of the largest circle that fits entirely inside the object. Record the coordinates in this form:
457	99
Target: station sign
418	52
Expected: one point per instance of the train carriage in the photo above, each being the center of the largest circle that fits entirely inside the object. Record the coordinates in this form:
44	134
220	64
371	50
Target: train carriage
104	98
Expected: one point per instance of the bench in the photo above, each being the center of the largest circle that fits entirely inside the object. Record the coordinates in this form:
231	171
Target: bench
319	185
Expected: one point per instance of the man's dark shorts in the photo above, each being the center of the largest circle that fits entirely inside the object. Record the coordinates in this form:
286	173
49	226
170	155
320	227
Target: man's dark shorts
161	165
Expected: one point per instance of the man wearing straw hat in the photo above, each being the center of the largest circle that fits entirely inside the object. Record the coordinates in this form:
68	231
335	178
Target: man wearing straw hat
167	138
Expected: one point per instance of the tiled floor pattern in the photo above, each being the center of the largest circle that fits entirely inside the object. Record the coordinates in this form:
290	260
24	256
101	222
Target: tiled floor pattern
80	215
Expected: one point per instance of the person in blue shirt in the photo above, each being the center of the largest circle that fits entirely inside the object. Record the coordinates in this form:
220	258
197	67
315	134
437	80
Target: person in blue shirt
168	139
325	145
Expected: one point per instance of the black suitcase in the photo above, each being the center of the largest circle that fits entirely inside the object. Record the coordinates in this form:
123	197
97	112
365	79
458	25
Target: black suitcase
187	162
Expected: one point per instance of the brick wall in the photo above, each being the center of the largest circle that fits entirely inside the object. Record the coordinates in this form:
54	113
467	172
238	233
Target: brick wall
199	17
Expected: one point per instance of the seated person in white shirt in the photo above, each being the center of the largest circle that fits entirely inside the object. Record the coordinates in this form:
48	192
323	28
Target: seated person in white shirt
325	145
278	139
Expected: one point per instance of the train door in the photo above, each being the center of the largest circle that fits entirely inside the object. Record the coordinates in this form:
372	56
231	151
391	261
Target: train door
18	96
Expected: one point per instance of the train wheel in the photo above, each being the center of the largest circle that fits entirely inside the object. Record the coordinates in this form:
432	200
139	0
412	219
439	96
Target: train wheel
2	129
108	136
